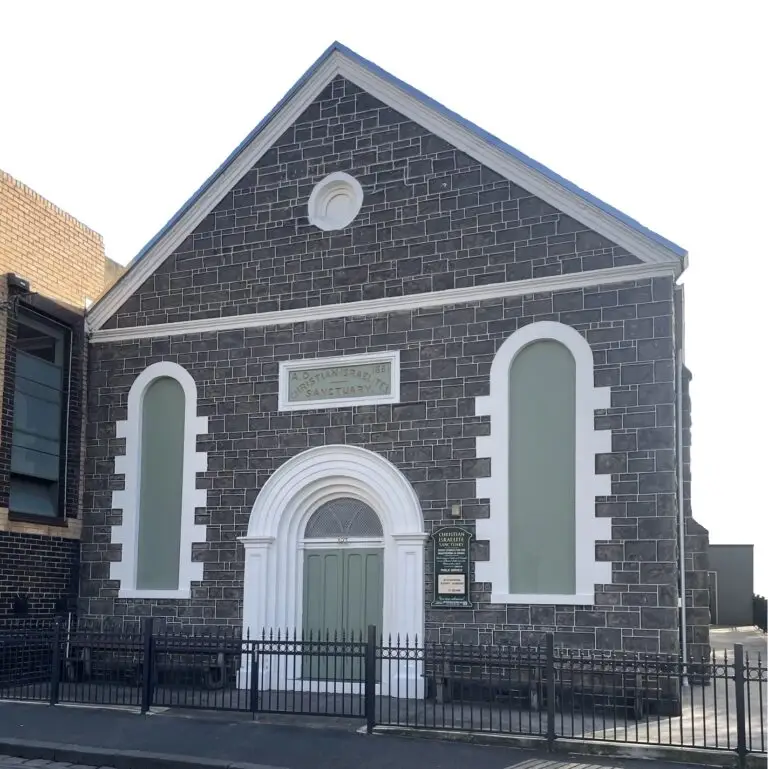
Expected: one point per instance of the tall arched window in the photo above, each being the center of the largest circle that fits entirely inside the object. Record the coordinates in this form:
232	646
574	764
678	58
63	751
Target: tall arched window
542	527
158	503
161	484
542	470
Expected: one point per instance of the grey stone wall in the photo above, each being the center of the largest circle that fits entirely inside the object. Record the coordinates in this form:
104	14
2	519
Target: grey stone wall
446	354
432	218
696	548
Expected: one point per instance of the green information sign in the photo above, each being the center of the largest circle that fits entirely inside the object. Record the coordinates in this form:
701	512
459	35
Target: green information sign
451	545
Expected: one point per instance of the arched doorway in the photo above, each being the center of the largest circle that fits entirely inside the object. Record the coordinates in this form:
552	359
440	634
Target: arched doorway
301	498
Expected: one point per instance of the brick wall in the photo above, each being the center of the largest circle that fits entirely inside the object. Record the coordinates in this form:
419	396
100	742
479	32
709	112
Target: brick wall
39	559
40	568
60	257
65	264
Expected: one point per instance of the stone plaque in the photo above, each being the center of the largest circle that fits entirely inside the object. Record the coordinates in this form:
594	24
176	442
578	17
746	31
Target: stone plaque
342	382
451	545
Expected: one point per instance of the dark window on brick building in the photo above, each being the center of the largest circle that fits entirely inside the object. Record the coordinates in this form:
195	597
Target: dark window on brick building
39	416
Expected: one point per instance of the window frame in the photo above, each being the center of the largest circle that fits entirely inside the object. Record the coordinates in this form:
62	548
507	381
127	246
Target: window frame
590	441
126	500
42	319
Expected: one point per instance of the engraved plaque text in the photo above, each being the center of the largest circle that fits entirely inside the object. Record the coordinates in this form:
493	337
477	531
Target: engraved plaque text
362	380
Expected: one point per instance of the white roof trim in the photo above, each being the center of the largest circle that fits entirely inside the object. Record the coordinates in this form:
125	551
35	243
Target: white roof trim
450	296
456	134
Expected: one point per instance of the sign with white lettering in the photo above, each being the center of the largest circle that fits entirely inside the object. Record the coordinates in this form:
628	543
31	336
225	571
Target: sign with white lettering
451	545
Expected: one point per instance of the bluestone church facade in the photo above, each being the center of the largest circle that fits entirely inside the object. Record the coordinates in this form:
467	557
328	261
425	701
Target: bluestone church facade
373	321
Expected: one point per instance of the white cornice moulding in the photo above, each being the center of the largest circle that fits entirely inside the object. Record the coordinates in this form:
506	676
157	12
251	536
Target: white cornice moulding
450	296
461	137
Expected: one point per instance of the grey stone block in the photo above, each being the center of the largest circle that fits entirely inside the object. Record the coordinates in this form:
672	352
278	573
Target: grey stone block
662	618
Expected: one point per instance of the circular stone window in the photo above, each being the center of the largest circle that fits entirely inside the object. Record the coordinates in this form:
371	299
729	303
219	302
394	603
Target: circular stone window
335	201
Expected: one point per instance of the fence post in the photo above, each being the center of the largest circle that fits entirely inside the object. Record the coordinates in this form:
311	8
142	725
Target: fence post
550	688
741	726
254	682
370	679
147	672
55	661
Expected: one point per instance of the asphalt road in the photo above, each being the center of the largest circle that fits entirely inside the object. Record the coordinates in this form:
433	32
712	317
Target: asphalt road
313	745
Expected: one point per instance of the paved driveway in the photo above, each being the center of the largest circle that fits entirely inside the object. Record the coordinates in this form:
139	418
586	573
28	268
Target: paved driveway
754	640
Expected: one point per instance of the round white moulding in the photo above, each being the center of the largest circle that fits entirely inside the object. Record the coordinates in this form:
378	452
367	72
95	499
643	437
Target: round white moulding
335	201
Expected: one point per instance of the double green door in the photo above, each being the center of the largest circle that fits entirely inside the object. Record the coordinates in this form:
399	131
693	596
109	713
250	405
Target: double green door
343	594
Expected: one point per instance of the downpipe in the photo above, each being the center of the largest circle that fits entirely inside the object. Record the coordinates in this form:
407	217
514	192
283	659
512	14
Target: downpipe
681	519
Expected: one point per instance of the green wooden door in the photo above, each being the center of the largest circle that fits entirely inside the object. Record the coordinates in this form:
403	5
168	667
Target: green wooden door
343	594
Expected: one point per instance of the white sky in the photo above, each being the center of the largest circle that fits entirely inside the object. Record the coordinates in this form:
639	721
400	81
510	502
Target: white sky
118	111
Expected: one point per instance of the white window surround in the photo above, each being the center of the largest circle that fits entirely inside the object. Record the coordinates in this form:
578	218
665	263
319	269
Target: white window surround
335	201
589	528
286	367
127	500
275	541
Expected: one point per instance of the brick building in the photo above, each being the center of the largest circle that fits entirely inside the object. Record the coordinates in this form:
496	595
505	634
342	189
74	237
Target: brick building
51	267
376	322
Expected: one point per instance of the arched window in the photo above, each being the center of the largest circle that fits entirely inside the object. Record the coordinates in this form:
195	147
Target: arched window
542	470
161	485
343	517
158	503
542	527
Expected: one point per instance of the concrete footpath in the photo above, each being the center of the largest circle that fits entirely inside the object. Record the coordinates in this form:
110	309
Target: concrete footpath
173	740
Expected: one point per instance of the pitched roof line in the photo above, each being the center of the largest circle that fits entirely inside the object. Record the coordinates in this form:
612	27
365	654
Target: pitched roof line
432	104
508	148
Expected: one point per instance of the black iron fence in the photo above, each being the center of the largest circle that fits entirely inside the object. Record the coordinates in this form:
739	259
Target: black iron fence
716	703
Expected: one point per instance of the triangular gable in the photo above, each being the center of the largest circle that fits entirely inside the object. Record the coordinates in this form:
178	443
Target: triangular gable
462	134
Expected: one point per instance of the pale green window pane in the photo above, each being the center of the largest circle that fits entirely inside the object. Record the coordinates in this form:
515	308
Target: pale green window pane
162	459
542	470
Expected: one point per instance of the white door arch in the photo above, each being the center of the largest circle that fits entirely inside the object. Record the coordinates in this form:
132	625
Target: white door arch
272	596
